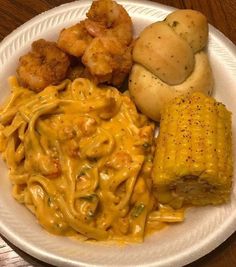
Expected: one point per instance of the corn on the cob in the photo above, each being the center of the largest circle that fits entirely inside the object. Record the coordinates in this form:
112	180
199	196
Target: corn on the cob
193	159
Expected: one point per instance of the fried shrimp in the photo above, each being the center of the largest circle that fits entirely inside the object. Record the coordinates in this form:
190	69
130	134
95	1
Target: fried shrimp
102	42
107	18
75	39
107	60
46	64
108	57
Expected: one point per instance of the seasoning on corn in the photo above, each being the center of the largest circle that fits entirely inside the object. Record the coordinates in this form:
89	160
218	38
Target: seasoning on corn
193	159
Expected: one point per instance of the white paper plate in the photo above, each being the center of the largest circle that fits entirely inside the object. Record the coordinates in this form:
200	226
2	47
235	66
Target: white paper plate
204	228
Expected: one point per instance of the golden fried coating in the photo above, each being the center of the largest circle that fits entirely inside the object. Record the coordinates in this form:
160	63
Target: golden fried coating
75	39
102	41
46	64
107	18
107	60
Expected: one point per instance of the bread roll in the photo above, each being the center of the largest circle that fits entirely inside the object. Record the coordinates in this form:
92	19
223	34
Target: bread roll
164	53
169	61
150	101
191	25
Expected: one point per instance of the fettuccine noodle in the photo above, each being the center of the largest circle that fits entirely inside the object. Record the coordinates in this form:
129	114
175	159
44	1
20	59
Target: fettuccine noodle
80	159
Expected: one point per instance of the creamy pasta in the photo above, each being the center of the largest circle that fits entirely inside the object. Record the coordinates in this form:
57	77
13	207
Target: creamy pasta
80	158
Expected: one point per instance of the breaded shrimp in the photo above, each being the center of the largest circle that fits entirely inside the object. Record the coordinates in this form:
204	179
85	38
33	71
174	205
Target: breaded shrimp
46	64
102	41
107	18
107	60
75	39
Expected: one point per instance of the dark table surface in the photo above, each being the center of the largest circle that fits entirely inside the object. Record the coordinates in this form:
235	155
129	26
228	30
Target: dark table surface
220	13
